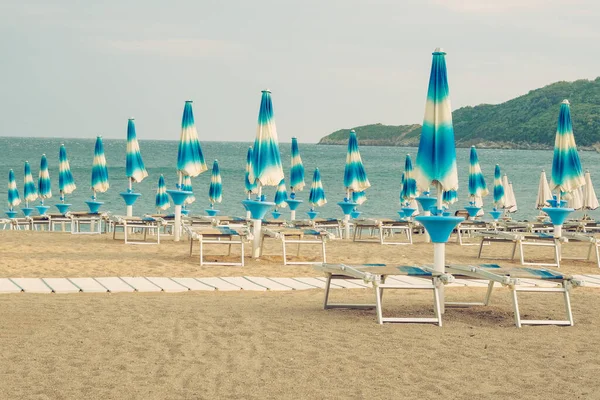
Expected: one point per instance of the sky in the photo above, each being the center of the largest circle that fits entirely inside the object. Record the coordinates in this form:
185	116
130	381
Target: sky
81	69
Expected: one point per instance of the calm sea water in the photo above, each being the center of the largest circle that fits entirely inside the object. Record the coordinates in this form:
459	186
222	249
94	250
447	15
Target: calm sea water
383	164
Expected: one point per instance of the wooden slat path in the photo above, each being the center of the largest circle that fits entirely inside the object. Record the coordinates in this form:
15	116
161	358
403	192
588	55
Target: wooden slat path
244	283
219	284
61	285
89	285
7	286
115	285
141	284
167	284
32	285
268	283
293	283
193	284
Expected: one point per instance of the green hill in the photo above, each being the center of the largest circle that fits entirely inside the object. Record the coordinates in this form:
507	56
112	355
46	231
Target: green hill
528	121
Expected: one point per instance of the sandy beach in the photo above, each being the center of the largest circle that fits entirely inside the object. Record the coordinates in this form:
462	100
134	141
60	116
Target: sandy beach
275	344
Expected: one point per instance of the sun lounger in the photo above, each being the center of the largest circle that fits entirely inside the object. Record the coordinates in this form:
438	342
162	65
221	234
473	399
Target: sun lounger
93	221
467	228
6	222
385	228
512	278
61	220
594	244
520	241
377	275
223	235
297	236
20	223
40	222
130	225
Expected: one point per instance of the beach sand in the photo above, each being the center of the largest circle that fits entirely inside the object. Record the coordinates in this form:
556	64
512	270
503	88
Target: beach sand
277	344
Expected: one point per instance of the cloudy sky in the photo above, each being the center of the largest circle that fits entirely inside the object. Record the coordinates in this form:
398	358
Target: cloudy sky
81	68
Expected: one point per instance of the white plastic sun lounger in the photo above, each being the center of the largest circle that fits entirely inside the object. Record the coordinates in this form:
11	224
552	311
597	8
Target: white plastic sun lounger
377	274
386	229
223	235
521	240
297	236
131	224
84	218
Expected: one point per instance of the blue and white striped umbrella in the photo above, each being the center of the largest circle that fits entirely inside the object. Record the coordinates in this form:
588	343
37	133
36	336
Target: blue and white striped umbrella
190	160
266	159
215	190
187	187
567	174
316	197
498	188
13	193
99	171
250	187
355	176
359	197
29	186
477	186
161	200
449	197
281	195
436	158
66	183
44	186
297	169
409	185
134	165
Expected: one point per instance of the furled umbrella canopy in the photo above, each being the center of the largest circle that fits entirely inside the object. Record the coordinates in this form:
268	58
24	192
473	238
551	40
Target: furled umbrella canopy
316	196
576	199
359	197
162	198
409	184
590	201
297	169
544	193
215	190
251	188
134	165
498	188
190	160
66	183
13	194
355	176
510	202
29	187
436	157
477	186
281	195
187	187
99	171
449	197
44	185
266	159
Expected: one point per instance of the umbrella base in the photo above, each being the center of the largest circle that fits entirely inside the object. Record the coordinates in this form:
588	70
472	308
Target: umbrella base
258	209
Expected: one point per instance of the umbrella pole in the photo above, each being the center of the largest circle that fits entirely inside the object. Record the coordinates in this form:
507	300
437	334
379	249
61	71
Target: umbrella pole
347	216
558	228
439	253
130	190
257	230
177	232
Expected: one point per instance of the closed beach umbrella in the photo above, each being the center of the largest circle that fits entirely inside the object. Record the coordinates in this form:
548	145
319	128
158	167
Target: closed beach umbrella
575	200
316	197
215	190
187	187
266	159
297	169
29	187
162	198
567	174
13	194
359	197
66	183
281	195
409	184
544	192
590	201
251	188
436	158
498	189
449	197
134	165
44	186
510	202
99	171
190	160
477	186
355	176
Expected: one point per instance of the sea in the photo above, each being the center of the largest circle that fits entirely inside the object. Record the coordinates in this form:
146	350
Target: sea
384	166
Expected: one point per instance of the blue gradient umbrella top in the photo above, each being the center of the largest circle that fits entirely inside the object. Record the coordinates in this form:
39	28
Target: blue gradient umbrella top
44	185
449	197
134	165
266	159
66	183
498	188
281	195
567	174
436	157
250	187
215	189
297	169
355	176
161	201
99	171
29	186
409	184
13	194
187	186
477	185
316	197
190	160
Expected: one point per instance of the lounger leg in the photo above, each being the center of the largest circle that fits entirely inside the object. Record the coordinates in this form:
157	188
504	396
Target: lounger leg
125	232
283	250
201	251
437	305
242	245
409	234
324	255
488	294
327	287
597	255
568	303
516	307
480	248
378	297
521	251
191	245
589	254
